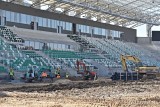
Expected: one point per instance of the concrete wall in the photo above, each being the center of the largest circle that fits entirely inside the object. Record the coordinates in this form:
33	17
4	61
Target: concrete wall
143	40
129	34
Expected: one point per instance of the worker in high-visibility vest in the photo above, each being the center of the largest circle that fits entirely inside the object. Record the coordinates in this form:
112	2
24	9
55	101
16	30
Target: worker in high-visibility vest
11	74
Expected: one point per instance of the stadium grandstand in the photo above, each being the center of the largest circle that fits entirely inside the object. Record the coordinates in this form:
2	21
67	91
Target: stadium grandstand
57	33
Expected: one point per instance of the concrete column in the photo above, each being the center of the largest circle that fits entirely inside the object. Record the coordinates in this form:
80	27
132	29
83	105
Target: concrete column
149	32
108	32
92	31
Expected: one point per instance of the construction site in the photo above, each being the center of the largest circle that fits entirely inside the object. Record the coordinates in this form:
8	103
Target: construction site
65	93
79	53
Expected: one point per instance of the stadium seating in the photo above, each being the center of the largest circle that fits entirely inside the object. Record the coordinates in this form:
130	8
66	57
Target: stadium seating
71	54
88	55
9	35
114	48
20	60
61	54
69	58
31	54
2	69
109	54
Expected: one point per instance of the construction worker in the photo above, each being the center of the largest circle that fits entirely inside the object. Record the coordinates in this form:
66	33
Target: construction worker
50	74
95	76
57	72
58	76
11	74
67	75
44	74
31	73
28	75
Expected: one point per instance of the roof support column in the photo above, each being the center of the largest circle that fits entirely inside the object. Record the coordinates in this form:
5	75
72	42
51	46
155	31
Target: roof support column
108	33
92	31
149	32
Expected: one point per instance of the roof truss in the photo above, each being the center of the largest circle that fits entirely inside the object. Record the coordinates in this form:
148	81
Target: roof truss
119	12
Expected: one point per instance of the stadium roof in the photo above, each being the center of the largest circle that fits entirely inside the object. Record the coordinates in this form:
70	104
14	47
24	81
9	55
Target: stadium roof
128	13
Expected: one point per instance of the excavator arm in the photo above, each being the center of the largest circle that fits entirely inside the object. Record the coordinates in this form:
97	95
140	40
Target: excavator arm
124	64
134	59
78	66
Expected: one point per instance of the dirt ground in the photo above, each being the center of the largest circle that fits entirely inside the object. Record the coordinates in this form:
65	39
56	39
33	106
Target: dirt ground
66	93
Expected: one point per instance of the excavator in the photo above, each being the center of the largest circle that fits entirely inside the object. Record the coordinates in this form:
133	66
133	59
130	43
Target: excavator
141	71
87	73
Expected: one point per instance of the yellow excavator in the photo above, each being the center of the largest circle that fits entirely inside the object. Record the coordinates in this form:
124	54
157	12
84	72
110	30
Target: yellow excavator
141	71
139	66
148	71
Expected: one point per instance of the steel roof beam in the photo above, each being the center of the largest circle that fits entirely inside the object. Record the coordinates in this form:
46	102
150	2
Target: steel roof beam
98	9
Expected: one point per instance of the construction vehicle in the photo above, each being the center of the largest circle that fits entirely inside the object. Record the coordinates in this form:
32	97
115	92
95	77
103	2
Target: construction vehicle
141	71
87	72
35	74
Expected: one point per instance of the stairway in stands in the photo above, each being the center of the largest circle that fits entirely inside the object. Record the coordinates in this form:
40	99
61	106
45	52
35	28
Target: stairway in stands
86	46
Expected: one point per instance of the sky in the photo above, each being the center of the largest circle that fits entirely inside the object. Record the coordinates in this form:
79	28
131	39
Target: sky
141	30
